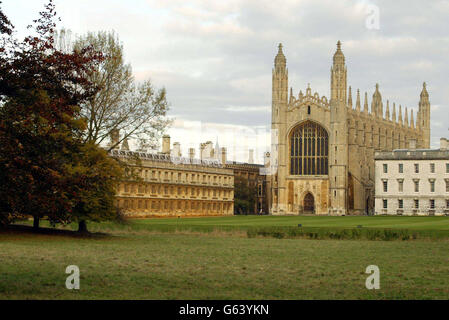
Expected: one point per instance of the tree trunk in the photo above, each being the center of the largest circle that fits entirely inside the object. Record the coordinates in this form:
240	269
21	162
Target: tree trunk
36	223
82	227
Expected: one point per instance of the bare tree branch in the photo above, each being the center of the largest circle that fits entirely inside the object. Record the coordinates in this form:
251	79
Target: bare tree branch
136	110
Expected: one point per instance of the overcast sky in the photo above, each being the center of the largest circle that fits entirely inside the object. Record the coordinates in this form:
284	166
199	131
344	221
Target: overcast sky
215	57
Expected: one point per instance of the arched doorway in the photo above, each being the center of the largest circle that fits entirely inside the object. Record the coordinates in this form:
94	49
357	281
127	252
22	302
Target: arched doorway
309	203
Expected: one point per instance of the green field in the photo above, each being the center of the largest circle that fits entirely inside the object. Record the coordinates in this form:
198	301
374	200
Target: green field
422	227
415	223
212	258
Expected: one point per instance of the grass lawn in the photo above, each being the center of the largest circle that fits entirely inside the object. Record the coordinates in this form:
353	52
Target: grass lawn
424	227
415	223
139	262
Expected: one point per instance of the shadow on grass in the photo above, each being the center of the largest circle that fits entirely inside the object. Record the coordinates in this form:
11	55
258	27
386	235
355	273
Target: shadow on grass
24	229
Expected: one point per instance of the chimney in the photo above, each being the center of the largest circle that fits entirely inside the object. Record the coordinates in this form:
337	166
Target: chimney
412	144
191	154
125	145
266	158
176	152
115	137
444	143
166	144
202	147
223	156
251	156
209	150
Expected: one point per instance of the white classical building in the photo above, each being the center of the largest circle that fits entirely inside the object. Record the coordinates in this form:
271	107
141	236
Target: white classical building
412	182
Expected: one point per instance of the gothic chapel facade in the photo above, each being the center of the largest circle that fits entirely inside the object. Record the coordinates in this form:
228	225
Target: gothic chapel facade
322	154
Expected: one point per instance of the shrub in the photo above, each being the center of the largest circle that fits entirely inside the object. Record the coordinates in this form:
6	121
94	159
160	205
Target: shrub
326	233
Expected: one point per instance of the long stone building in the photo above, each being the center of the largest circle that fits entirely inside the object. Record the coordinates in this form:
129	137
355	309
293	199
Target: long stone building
413	181
170	185
322	154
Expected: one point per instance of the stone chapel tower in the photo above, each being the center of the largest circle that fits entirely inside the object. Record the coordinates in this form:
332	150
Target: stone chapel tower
278	122
338	144
423	121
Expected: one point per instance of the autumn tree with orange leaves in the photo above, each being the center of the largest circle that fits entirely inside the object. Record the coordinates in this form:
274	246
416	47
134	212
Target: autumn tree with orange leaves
46	170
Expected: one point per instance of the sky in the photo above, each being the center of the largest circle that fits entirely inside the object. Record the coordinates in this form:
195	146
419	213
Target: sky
215	57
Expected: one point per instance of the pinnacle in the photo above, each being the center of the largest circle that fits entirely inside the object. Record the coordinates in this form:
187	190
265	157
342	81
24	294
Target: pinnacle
424	90
280	58
339	58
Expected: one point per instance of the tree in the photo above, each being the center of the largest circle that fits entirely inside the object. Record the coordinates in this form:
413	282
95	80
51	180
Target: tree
137	110
93	179
41	90
6	26
244	196
56	107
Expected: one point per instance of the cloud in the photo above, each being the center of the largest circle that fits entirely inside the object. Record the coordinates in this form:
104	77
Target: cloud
239	109
215	57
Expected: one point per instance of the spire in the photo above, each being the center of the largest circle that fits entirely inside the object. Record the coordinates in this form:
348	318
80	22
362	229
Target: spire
338	76
365	104
424	93
412	122
339	57
376	104
406	117
394	113
424	108
357	103
279	86
387	111
424	116
400	115
280	61
350	98
217	149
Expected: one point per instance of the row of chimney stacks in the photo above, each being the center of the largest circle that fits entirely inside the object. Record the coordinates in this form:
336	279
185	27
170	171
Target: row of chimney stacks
176	151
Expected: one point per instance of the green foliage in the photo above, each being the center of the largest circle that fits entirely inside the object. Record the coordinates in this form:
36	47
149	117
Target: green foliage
94	176
33	150
333	234
46	168
244	196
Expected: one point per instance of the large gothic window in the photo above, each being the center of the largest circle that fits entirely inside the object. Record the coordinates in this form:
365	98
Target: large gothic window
309	145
